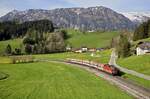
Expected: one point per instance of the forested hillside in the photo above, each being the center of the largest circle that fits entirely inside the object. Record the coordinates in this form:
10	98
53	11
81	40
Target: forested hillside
14	29
36	37
143	31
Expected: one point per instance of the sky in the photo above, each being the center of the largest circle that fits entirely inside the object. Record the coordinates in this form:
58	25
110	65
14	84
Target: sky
117	5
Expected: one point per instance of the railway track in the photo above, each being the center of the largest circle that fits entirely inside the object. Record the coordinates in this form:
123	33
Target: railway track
131	88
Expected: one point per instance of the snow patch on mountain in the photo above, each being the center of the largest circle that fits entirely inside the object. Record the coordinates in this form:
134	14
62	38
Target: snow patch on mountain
137	16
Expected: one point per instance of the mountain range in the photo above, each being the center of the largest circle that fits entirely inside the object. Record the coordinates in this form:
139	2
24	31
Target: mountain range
91	18
137	17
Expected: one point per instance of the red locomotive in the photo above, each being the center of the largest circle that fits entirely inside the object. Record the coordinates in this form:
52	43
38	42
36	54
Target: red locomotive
103	67
111	69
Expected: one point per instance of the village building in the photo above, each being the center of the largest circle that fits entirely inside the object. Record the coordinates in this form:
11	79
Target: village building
68	48
99	49
76	50
92	49
143	48
90	31
84	49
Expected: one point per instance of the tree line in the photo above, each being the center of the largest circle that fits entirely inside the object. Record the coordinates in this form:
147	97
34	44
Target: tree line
142	31
14	29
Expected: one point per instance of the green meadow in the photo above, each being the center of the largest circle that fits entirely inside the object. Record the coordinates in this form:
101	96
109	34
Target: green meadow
54	81
140	64
102	56
93	39
15	43
76	39
48	80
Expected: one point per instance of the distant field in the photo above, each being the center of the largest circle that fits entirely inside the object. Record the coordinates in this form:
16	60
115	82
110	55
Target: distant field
94	39
77	39
16	43
5	60
102	57
54	81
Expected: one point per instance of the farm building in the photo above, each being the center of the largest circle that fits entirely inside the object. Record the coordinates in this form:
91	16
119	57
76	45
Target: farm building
76	50
84	49
68	48
143	48
92	49
99	49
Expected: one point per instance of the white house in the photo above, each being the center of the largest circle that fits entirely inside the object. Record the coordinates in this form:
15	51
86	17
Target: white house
91	31
68	48
84	49
143	48
78	51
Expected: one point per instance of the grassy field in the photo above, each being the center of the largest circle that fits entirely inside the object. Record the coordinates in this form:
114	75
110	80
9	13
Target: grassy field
94	39
5	59
16	43
3	76
102	56
137	80
138	63
54	81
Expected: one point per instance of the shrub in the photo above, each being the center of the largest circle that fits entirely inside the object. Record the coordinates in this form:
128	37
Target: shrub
8	50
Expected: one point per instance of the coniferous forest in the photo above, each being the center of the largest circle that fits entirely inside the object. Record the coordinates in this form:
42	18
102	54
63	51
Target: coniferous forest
14	29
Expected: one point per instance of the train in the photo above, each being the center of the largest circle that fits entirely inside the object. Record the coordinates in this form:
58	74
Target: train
110	69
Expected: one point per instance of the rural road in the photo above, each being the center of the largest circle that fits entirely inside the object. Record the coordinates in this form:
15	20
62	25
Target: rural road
125	70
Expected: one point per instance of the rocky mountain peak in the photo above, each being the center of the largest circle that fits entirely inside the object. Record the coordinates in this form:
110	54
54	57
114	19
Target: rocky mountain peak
91	18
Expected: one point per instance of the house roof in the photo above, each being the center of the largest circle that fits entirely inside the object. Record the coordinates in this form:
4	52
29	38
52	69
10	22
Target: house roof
145	45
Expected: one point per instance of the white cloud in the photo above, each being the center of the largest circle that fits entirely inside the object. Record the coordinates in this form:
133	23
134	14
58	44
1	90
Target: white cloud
4	7
5	10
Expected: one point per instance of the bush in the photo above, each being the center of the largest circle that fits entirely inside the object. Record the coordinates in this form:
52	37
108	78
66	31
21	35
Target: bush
64	34
28	48
17	51
8	50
